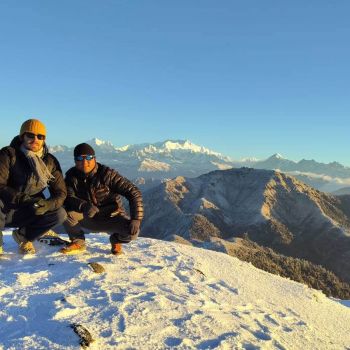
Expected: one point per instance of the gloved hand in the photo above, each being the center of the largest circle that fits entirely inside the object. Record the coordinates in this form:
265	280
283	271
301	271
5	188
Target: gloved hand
134	227
42	206
89	210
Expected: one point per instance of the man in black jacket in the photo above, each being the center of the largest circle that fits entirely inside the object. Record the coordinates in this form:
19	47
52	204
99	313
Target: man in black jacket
94	203
27	169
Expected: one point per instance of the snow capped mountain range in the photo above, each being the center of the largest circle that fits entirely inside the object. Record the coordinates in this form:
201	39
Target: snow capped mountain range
158	160
171	158
100	145
145	149
168	147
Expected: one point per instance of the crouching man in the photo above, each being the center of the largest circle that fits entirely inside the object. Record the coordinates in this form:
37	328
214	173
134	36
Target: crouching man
26	170
94	203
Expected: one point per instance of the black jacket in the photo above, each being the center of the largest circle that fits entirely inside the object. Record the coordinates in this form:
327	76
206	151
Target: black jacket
15	171
102	187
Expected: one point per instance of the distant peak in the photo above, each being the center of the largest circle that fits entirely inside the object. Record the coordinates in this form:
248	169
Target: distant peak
277	156
186	145
98	142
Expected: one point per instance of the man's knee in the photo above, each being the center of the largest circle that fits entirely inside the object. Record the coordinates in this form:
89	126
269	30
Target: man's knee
51	218
61	216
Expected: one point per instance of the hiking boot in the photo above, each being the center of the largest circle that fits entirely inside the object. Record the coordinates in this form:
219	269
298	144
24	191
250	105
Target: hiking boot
117	249
25	246
75	247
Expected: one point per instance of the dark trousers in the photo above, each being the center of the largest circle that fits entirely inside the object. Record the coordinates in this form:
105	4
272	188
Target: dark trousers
35	225
118	226
2	222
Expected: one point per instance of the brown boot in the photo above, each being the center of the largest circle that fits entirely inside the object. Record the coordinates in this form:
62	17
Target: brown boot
75	247
25	246
117	249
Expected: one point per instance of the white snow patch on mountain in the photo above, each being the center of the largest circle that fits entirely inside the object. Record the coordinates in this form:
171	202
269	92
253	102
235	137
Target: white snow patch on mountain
159	295
123	148
187	145
278	156
168	147
102	145
99	142
222	166
153	165
249	159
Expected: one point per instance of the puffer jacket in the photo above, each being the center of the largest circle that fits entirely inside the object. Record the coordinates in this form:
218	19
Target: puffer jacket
102	187
15	172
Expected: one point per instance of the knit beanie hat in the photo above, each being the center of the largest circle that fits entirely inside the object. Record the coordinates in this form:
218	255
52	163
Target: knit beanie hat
83	148
34	126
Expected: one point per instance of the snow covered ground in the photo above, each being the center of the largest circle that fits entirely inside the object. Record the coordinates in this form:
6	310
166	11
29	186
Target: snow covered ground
159	295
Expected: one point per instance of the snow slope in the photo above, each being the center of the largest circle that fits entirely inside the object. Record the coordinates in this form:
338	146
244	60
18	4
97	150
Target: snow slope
159	295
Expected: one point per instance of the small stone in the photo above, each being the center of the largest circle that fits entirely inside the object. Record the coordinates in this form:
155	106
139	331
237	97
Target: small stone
200	272
96	267
84	335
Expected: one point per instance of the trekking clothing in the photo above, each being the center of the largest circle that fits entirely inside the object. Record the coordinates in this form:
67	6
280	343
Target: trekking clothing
33	126
83	149
117	226
25	246
116	249
35	225
75	247
94	203
23	179
102	187
2	222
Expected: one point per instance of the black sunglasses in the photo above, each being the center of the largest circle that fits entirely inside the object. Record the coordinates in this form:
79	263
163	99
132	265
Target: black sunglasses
87	157
30	135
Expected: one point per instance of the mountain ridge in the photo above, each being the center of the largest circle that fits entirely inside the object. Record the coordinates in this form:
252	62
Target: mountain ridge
273	209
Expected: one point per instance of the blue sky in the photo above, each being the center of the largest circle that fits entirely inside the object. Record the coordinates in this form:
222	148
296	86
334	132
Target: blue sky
245	78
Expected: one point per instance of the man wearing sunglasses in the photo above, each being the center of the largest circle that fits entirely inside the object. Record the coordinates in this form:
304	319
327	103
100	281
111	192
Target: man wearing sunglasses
94	203
26	170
